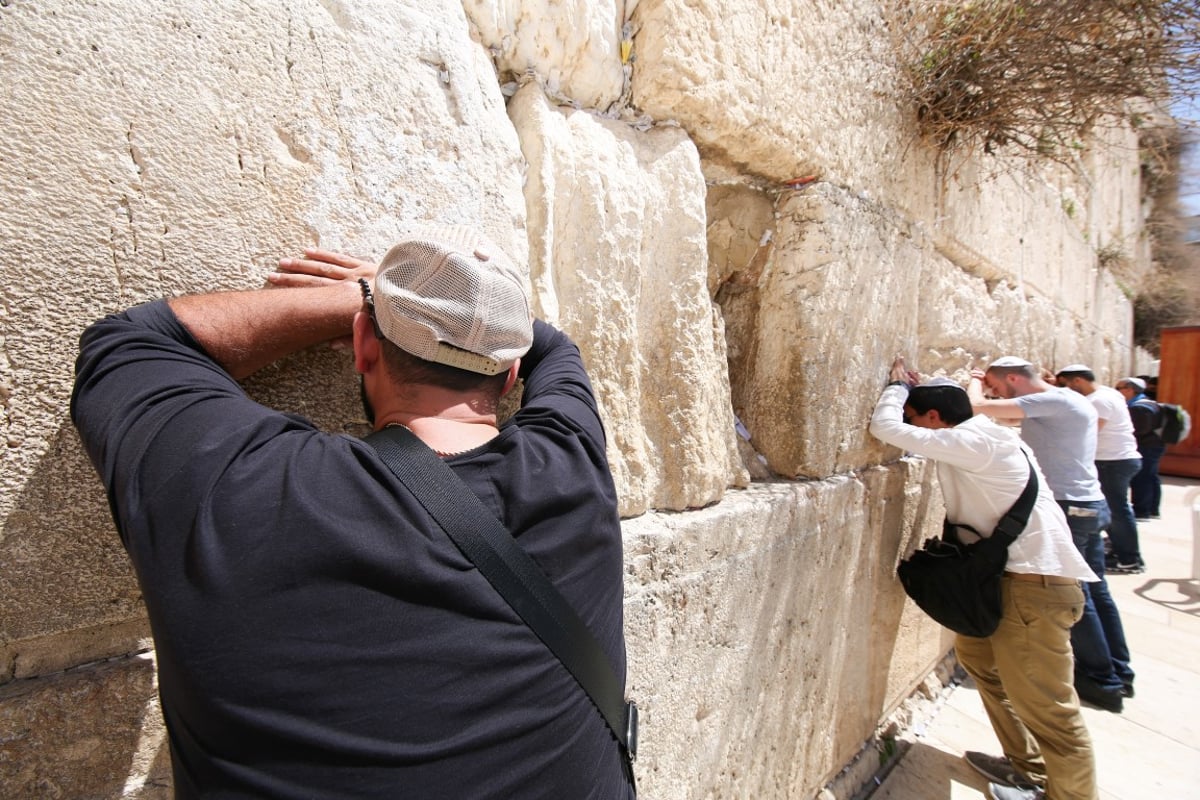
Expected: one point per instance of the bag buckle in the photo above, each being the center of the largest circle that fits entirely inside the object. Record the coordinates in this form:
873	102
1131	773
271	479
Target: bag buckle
631	729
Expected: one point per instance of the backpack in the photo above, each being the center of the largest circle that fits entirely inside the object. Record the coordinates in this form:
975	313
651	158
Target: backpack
1176	423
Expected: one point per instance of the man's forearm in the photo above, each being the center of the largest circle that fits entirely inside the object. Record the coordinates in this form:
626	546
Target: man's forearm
998	409
245	331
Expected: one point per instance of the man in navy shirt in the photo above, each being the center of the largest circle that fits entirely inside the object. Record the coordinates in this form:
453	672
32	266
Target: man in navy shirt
1146	415
317	634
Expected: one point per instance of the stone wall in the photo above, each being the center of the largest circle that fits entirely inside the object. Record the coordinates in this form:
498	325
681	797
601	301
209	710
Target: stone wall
637	156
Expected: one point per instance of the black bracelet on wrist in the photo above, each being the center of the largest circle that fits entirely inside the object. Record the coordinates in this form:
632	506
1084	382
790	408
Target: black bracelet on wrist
905	384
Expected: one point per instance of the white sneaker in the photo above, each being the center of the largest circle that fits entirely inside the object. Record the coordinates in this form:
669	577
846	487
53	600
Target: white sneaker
999	792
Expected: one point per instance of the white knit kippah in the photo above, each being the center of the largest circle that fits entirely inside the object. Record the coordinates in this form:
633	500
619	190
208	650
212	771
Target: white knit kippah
1009	361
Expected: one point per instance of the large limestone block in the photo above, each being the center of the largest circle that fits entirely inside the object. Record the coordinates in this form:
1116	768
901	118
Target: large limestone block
966	322
188	149
94	732
813	334
574	46
1111	351
763	631
617	258
779	89
958	324
1052	219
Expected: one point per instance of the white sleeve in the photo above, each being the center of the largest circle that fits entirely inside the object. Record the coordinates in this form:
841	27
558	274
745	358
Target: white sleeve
963	449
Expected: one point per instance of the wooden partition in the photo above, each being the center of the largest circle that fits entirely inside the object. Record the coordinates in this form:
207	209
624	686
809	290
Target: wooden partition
1179	382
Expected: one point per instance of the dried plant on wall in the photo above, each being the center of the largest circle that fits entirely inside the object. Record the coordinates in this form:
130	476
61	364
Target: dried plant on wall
1031	76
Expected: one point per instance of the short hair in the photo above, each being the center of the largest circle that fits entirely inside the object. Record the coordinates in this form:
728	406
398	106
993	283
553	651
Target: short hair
1086	374
407	368
951	402
1025	370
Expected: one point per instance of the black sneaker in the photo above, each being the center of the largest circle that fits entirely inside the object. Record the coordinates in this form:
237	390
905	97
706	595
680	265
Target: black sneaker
1108	699
1135	568
998	769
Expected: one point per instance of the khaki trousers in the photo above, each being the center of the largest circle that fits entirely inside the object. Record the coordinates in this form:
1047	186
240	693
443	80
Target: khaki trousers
1025	675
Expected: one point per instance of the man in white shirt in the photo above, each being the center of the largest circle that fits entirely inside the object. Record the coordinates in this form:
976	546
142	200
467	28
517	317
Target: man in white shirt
1024	669
1117	461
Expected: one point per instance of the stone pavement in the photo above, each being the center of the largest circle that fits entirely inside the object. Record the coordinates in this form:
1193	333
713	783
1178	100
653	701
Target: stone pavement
1151	751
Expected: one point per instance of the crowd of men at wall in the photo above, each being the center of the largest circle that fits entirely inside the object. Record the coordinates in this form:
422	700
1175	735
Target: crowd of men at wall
1060	639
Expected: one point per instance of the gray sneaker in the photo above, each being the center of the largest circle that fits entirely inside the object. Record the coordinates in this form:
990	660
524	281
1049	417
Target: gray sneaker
998	792
998	769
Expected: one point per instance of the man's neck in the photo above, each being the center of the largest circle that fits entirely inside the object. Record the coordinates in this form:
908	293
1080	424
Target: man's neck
1034	386
449	422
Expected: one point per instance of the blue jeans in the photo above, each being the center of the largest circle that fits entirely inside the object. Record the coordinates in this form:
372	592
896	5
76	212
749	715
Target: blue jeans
1114	482
1147	488
1098	639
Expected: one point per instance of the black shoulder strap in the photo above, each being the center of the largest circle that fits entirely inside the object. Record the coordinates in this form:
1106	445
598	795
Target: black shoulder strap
1011	524
514	574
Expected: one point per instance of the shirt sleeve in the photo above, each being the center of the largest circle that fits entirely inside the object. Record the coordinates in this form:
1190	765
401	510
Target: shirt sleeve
1143	418
1038	404
1105	409
151	406
948	445
131	369
1056	401
555	380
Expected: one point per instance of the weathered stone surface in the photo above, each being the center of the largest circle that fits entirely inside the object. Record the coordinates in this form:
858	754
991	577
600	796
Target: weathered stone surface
68	593
574	46
93	732
618	259
837	298
280	125
741	226
784	90
764	88
1049	238
964	323
853	285
769	695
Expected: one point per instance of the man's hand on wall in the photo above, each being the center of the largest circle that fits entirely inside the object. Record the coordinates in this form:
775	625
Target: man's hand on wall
319	267
902	374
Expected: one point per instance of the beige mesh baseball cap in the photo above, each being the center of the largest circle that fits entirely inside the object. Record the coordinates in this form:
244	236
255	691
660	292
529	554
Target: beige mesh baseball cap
449	295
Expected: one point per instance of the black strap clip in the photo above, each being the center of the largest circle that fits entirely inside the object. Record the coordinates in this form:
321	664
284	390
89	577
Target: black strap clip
631	729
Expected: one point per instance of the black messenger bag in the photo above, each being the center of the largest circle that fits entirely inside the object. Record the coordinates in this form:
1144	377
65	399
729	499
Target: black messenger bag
957	584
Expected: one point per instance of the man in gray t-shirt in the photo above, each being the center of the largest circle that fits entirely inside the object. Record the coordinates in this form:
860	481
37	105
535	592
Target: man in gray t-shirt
1060	427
